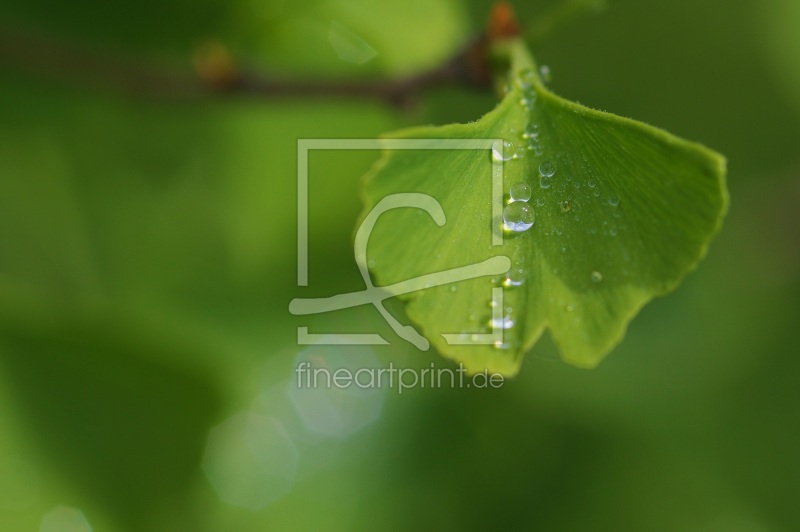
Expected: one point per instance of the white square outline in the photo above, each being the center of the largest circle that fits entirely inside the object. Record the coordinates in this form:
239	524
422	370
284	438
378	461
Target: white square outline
306	145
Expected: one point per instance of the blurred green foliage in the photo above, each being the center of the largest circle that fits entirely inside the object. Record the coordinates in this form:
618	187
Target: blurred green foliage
147	255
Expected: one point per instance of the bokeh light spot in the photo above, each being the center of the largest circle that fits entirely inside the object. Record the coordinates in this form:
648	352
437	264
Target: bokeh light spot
250	461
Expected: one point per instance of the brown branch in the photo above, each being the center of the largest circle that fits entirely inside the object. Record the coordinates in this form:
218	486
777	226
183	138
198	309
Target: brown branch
216	75
67	63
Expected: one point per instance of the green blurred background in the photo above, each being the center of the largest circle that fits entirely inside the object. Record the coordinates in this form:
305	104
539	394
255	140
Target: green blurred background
147	259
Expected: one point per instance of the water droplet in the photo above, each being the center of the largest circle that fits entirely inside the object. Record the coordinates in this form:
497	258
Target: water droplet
520	192
502	345
547	169
518	217
514	277
576	184
501	323
597	277
507	152
532	131
544	71
493	303
544	182
537	149
566	206
563	249
570	308
525	79
540	202
613	230
371	263
597	193
453	288
613	200
591	183
527	101
559	231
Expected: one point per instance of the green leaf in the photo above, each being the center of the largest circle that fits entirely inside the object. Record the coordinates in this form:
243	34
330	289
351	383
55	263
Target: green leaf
629	211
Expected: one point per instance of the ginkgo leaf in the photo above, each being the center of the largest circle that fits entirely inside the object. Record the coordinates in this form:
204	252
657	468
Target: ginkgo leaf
620	211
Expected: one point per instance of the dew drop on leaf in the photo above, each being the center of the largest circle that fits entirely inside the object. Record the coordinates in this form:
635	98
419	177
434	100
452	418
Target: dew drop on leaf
544	71
505	154
514	277
520	192
504	322
532	131
525	79
518	217
547	169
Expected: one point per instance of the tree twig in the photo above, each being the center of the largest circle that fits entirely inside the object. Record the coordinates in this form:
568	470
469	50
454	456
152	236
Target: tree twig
68	63
216	75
